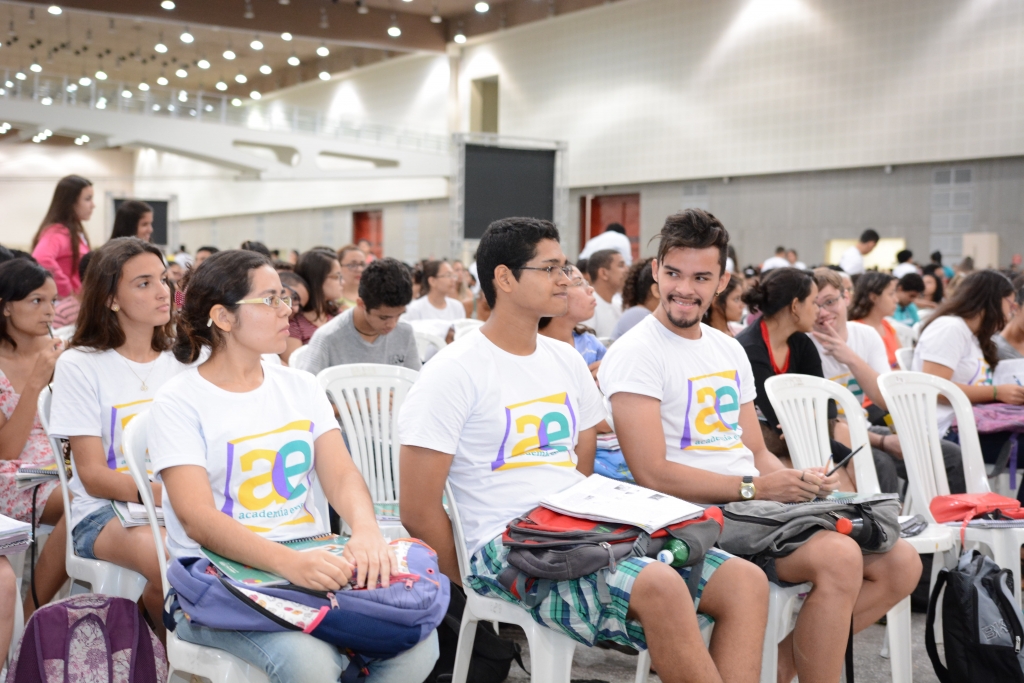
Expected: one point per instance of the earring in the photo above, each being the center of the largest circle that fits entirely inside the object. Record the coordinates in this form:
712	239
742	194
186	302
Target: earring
209	323
115	308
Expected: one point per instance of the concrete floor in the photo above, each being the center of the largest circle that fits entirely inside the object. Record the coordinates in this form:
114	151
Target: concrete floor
593	665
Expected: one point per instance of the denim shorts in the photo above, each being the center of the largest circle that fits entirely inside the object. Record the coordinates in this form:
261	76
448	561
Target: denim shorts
85	532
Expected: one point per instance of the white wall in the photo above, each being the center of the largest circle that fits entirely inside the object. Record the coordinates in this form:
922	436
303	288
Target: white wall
29	173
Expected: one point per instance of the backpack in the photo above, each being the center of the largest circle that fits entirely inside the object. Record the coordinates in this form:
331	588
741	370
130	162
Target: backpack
981	622
376	624
69	639
772	529
549	546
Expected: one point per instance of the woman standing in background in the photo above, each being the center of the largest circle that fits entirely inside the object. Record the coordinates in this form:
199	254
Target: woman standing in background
134	219
61	240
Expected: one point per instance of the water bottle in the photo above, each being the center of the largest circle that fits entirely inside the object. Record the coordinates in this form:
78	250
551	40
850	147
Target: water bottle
674	553
855	529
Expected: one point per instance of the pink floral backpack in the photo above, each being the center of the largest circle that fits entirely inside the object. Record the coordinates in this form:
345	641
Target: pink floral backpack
89	638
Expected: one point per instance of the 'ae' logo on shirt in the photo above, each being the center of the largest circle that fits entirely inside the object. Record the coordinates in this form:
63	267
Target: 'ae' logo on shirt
538	432
712	412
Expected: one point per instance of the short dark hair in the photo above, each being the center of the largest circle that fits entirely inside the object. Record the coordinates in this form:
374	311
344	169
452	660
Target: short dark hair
18	278
6	254
693	229
224	279
509	242
869	235
126	220
385	282
583	264
911	282
780	249
777	289
615	227
936	257
258	247
598	260
212	250
904	256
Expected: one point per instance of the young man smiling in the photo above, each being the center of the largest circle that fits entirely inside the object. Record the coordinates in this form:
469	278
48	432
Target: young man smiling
508	417
682	397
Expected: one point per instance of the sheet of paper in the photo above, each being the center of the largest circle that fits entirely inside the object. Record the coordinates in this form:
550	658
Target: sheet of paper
1009	372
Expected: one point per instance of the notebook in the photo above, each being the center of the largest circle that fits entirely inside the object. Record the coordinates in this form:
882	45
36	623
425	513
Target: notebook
250	575
133	514
15	536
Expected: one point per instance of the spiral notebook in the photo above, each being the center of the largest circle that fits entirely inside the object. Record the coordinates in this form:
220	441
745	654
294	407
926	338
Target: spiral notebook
250	575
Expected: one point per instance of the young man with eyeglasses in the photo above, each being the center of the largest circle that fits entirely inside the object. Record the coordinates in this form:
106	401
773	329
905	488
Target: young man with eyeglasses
682	397
508	417
369	332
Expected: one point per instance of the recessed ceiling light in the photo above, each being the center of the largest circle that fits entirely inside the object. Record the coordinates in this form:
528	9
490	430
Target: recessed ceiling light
229	55
255	94
265	69
286	36
435	18
35	68
221	85
79	141
46	101
183	96
72	87
84	138
101	75
294	61
481	7
186	37
394	31
361	7
144	87
162	81
54	10
160	47
126	93
459	38
256	44
236	102
84	80
181	73
324	76
240	78
20	75
203	64
323	51
167	5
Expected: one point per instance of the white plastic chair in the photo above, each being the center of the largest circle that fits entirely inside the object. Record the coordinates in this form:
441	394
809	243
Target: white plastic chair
904	358
184	659
296	355
368	398
428	344
101	577
904	332
65	333
801	402
606	341
465	326
911	398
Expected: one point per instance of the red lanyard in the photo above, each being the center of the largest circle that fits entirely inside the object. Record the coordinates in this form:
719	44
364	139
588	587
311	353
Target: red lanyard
771	356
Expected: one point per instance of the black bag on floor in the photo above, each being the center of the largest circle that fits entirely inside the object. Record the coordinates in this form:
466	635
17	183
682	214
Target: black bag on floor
492	655
981	622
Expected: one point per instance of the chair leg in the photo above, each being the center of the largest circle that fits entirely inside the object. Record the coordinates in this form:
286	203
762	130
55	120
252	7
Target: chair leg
898	628
772	635
550	655
464	649
643	666
1006	553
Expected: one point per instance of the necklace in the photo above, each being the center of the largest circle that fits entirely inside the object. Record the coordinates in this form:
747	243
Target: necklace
143	386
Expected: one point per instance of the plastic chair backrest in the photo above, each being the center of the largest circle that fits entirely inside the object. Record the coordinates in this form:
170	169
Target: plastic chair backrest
904	333
43	408
911	398
65	333
368	398
133	441
465	326
801	403
296	354
904	358
460	539
426	341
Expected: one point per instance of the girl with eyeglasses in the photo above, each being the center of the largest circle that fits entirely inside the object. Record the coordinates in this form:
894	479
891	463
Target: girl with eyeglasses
216	433
119	357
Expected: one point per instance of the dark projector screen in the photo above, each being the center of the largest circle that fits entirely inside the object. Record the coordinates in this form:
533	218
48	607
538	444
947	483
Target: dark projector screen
503	182
159	218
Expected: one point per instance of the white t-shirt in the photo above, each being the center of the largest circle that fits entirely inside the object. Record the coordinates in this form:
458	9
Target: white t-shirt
98	394
773	262
606	315
609	239
422	309
701	385
512	423
904	269
949	342
864	341
256	447
852	261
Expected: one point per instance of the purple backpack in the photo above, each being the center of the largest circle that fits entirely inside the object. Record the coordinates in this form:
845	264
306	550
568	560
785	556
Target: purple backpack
72	639
375	624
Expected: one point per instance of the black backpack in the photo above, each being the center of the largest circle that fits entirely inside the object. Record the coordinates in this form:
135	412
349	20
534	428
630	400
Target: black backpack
492	655
981	622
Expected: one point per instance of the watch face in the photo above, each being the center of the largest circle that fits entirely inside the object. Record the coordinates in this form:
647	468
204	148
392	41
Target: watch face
747	491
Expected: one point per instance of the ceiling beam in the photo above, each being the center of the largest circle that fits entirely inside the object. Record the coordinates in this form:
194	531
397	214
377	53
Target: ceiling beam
300	17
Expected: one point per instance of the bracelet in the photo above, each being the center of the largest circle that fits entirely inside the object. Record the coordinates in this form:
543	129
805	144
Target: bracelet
995	392
882	444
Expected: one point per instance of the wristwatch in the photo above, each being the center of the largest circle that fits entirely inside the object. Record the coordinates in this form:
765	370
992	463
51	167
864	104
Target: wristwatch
747	488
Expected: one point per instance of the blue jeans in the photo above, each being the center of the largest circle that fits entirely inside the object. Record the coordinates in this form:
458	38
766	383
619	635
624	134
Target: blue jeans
294	657
86	531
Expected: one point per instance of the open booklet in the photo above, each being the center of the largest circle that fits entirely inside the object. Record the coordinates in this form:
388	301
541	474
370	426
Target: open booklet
250	575
133	514
15	536
607	500
29	476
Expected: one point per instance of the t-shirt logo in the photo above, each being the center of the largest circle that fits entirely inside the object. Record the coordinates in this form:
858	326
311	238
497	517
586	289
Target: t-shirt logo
120	416
268	477
712	412
852	385
538	432
982	375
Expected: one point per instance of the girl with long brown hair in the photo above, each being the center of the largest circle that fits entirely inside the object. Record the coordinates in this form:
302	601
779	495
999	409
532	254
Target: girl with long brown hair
61	240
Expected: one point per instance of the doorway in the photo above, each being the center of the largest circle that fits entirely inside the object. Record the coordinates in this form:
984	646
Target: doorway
597	211
369	226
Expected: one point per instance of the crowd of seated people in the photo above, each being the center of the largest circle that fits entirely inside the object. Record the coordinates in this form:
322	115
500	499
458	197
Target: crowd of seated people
674	351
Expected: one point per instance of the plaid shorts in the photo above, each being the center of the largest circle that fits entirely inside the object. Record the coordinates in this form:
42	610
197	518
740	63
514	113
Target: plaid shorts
574	607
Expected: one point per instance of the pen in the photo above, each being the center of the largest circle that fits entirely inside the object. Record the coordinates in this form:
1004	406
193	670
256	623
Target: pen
844	460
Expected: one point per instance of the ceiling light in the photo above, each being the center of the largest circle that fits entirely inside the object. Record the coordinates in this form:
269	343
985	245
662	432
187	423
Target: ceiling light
256	44
208	107
160	47
126	93
183	96
435	18
35	68
323	51
460	38
54	10
393	30
181	73
361	7
203	64
156	107
255	94
265	70
20	75
236	102
240	78
46	101
186	37
324	76
294	61
85	80
144	87
221	85
481	7
101	103
78	141
229	55
162	81
286	36
72	87
47	133
167	5
84	138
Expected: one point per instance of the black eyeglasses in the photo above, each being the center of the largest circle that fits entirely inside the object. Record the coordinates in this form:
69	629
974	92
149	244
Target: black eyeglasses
552	270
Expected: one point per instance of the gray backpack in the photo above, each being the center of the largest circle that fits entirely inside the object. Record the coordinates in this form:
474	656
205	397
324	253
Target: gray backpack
771	529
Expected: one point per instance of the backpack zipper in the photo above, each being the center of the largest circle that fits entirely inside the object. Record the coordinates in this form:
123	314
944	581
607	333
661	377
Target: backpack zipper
749	518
